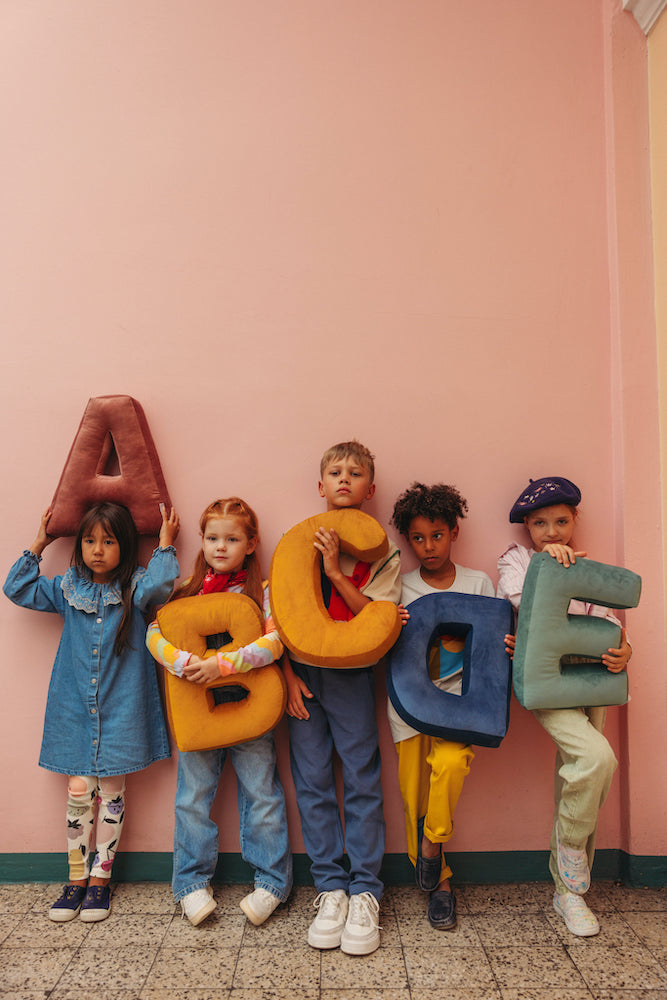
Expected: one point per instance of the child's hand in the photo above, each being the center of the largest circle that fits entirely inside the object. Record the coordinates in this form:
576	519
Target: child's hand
328	543
297	690
42	538
563	553
617	659
404	614
510	643
202	671
170	527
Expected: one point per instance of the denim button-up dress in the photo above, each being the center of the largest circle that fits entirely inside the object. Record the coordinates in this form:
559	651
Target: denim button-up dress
103	712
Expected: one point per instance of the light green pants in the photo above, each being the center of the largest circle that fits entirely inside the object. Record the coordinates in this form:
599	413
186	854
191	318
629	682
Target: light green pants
585	765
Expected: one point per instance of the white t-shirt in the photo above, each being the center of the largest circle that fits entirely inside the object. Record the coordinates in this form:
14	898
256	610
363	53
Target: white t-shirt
466	581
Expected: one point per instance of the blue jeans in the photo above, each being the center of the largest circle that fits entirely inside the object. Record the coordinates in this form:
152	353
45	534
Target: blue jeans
342	716
262	817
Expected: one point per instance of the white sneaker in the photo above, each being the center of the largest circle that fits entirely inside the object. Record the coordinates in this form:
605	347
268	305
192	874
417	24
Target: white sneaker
578	918
361	935
197	905
259	905
573	868
327	927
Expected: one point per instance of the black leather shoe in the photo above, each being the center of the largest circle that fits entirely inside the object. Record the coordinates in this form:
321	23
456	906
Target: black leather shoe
442	910
427	871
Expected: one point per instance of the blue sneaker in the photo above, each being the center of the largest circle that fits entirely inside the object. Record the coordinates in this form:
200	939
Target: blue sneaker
97	904
68	904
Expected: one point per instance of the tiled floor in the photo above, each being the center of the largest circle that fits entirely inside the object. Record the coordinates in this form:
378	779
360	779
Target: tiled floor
509	945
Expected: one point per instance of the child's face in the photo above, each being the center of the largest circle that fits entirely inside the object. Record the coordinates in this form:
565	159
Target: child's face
225	544
431	542
345	483
100	552
548	525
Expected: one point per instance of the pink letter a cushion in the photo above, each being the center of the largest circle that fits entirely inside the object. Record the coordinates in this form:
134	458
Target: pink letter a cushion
111	424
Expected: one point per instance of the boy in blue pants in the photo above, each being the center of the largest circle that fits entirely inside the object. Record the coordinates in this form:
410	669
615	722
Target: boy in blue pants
339	714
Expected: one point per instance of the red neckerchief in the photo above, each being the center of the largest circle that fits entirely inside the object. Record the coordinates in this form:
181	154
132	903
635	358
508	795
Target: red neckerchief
216	583
338	609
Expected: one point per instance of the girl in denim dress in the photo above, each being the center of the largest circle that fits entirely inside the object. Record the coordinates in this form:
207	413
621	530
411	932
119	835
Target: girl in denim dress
228	563
103	715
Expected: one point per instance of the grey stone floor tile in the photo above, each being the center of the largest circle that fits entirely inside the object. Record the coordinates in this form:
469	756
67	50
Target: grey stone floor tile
623	967
457	993
626	898
123	930
418	933
546	993
493	898
514	929
143	897
650	927
356	993
219	930
24	898
93	991
638	994
448	967
197	993
295	969
34	930
33	968
191	969
532	967
383	969
111	969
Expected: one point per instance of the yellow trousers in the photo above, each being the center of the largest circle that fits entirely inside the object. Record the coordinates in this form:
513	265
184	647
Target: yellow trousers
431	773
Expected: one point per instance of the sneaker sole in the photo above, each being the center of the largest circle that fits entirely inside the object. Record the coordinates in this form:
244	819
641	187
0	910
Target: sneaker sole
324	941
585	932
62	916
353	946
254	918
94	916
202	914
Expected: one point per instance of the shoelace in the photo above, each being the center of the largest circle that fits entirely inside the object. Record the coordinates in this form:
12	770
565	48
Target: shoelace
364	910
327	904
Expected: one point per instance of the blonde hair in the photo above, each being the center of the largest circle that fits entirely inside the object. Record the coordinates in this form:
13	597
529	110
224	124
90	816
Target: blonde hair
349	449
229	507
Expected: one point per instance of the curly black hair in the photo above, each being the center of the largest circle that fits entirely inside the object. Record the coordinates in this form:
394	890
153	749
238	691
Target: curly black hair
433	502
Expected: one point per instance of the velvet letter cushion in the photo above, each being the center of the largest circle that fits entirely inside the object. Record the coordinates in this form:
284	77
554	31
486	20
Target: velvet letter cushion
546	633
299	612
231	710
113	458
480	714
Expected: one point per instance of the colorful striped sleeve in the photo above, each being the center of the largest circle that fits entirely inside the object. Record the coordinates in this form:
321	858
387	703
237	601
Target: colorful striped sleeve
171	658
260	653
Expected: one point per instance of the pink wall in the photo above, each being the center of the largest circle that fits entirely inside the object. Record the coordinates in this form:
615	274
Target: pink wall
283	225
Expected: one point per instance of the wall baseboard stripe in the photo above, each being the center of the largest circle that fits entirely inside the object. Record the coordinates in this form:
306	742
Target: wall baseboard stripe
471	867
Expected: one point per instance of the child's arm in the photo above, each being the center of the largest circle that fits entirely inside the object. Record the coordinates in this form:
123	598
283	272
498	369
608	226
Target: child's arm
24	584
43	538
169	529
328	543
172	659
154	585
297	690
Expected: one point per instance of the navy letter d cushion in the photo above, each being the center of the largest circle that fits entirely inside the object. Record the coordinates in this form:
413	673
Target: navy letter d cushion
480	714
546	632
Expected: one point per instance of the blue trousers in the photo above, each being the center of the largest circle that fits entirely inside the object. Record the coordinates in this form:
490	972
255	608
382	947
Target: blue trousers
262	817
342	717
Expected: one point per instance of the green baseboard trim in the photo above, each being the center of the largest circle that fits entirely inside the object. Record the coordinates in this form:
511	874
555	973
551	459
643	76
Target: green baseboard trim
472	867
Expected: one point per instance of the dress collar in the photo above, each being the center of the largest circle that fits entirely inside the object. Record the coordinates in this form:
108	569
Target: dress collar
84	595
